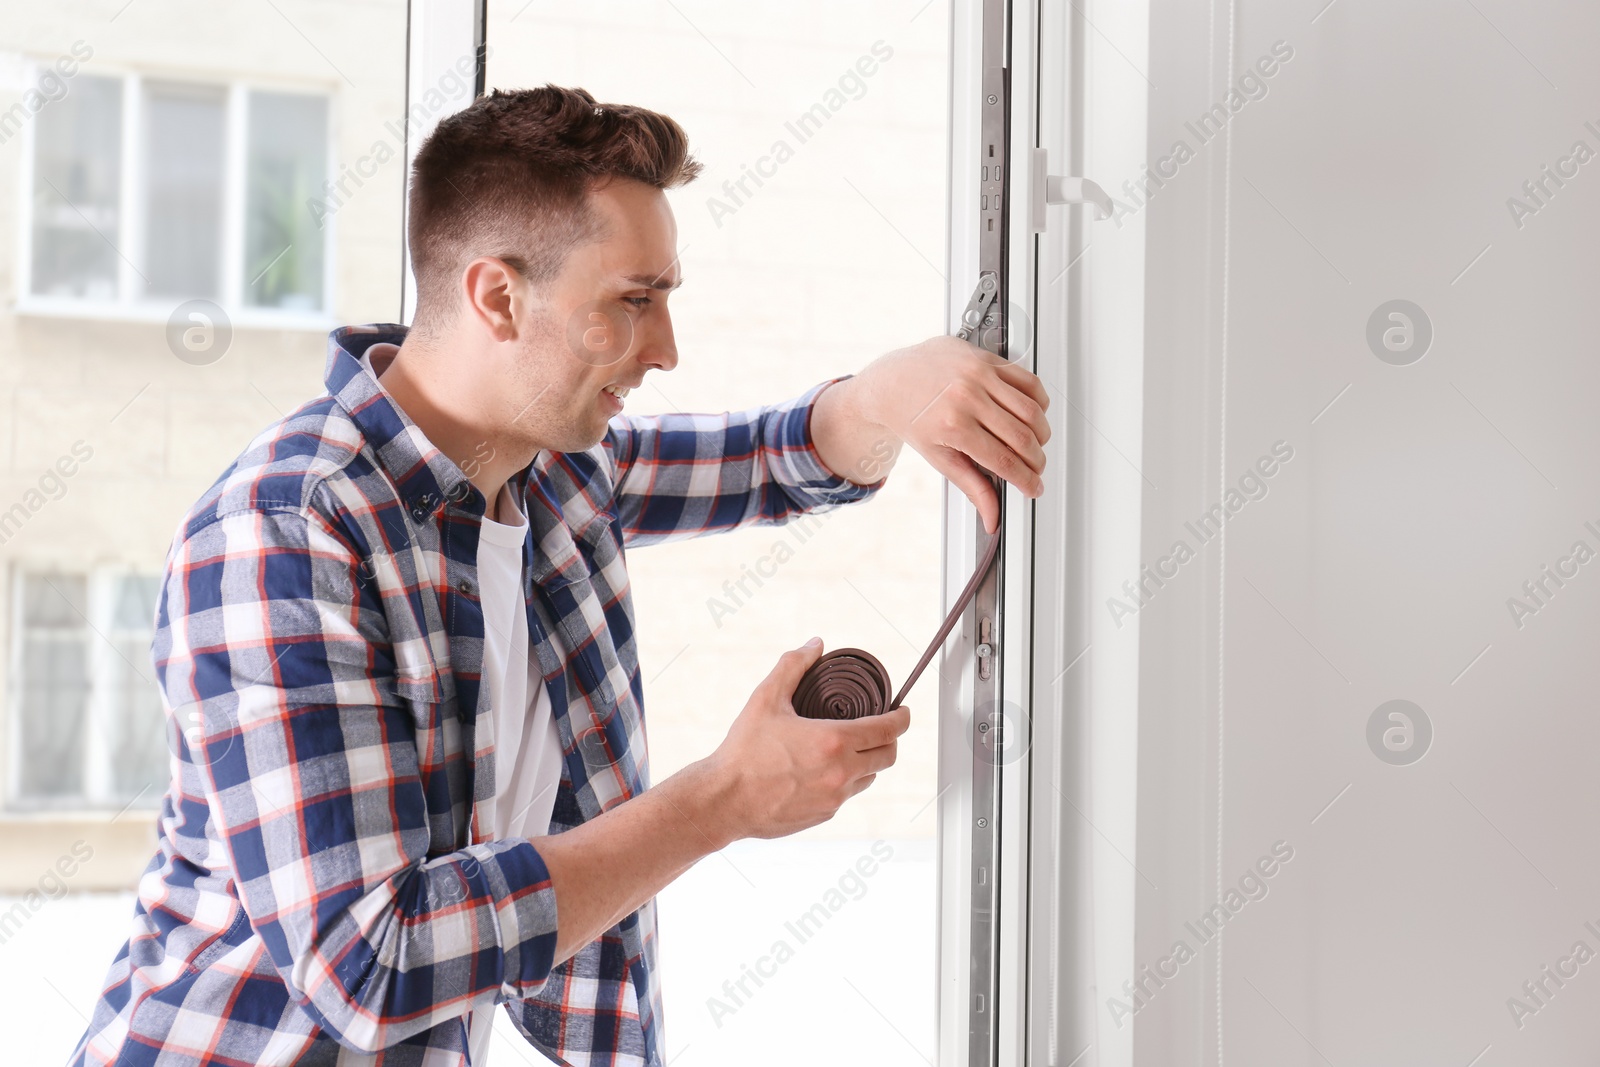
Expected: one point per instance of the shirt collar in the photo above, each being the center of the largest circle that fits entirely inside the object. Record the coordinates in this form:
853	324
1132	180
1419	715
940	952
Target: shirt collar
559	508
425	477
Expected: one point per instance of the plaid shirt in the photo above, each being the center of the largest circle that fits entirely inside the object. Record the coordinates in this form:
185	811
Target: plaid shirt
323	891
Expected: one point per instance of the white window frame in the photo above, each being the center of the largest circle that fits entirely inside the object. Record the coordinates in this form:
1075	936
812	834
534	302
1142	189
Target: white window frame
130	304
961	1011
1064	896
438	34
97	795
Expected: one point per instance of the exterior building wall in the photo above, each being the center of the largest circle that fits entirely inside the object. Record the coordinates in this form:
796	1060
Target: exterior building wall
162	429
833	260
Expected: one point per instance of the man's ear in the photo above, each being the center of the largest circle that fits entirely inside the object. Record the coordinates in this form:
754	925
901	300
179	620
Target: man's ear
491	289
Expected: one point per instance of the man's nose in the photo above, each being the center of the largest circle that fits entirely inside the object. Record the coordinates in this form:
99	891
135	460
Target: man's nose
657	346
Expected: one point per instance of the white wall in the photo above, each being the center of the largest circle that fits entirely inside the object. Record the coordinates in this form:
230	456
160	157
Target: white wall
1378	566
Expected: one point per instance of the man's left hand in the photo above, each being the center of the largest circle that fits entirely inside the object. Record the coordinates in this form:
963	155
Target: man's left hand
962	407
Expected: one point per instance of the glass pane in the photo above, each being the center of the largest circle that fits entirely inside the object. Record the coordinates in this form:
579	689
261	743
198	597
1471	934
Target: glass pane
137	727
822	131
287	168
183	153
55	705
138	731
136	602
55	600
54	689
77	180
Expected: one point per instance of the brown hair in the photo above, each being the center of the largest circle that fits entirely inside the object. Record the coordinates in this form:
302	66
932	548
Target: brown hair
509	176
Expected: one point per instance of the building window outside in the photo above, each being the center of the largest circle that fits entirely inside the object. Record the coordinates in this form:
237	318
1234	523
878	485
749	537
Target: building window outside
147	191
77	186
288	165
88	726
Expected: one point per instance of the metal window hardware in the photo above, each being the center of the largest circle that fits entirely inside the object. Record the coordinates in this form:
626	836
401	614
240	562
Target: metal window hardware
980	309
984	323
1050	188
985	649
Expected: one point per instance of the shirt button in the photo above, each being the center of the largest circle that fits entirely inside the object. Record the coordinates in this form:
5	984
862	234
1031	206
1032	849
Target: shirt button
467	587
419	513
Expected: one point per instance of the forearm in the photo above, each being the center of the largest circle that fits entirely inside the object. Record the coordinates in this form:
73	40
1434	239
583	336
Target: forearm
767	468
611	865
851	444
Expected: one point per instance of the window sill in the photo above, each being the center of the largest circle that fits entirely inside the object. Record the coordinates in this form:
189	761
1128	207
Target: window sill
249	318
29	815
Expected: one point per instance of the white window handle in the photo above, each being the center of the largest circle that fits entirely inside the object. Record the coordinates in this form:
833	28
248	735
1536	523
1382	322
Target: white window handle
1050	188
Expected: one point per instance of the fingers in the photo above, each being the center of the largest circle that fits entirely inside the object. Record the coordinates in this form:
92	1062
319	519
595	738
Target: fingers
966	477
871	745
792	666
1014	374
860	785
864	766
1023	379
993	416
1027	401
1017	436
979	444
877	759
875	731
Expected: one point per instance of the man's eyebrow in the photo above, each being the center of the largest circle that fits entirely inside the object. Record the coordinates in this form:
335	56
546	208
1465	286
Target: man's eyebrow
653	281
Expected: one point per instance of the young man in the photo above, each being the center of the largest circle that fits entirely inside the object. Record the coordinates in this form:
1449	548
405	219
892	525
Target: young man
396	644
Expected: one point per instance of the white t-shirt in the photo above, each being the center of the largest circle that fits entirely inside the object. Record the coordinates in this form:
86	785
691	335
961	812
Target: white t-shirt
527	757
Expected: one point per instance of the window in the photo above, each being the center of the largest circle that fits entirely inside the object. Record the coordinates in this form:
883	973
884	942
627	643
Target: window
90	731
287	165
183	153
782	112
148	192
77	184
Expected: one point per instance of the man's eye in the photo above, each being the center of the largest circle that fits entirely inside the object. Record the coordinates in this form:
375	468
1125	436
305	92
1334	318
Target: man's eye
637	301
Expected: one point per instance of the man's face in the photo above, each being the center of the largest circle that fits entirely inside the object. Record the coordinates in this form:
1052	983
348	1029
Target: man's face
604	322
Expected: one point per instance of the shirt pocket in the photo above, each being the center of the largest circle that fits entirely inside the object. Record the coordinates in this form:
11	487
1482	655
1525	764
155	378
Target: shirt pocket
224	942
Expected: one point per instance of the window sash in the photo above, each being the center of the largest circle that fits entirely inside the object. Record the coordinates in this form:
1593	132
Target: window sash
277	235
185	172
94	182
119	745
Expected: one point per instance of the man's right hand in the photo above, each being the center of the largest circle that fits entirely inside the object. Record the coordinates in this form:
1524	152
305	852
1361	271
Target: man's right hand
783	773
774	774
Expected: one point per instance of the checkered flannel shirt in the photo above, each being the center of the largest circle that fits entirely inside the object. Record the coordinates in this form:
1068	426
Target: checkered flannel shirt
323	891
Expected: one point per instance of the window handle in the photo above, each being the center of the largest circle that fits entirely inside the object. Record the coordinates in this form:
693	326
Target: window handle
1050	188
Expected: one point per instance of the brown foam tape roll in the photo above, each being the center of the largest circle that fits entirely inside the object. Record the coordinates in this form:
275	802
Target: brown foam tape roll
850	683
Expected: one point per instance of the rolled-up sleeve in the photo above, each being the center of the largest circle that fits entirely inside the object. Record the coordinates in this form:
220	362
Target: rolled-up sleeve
273	650
683	475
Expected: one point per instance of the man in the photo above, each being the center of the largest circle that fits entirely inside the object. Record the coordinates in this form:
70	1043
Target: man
396	644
